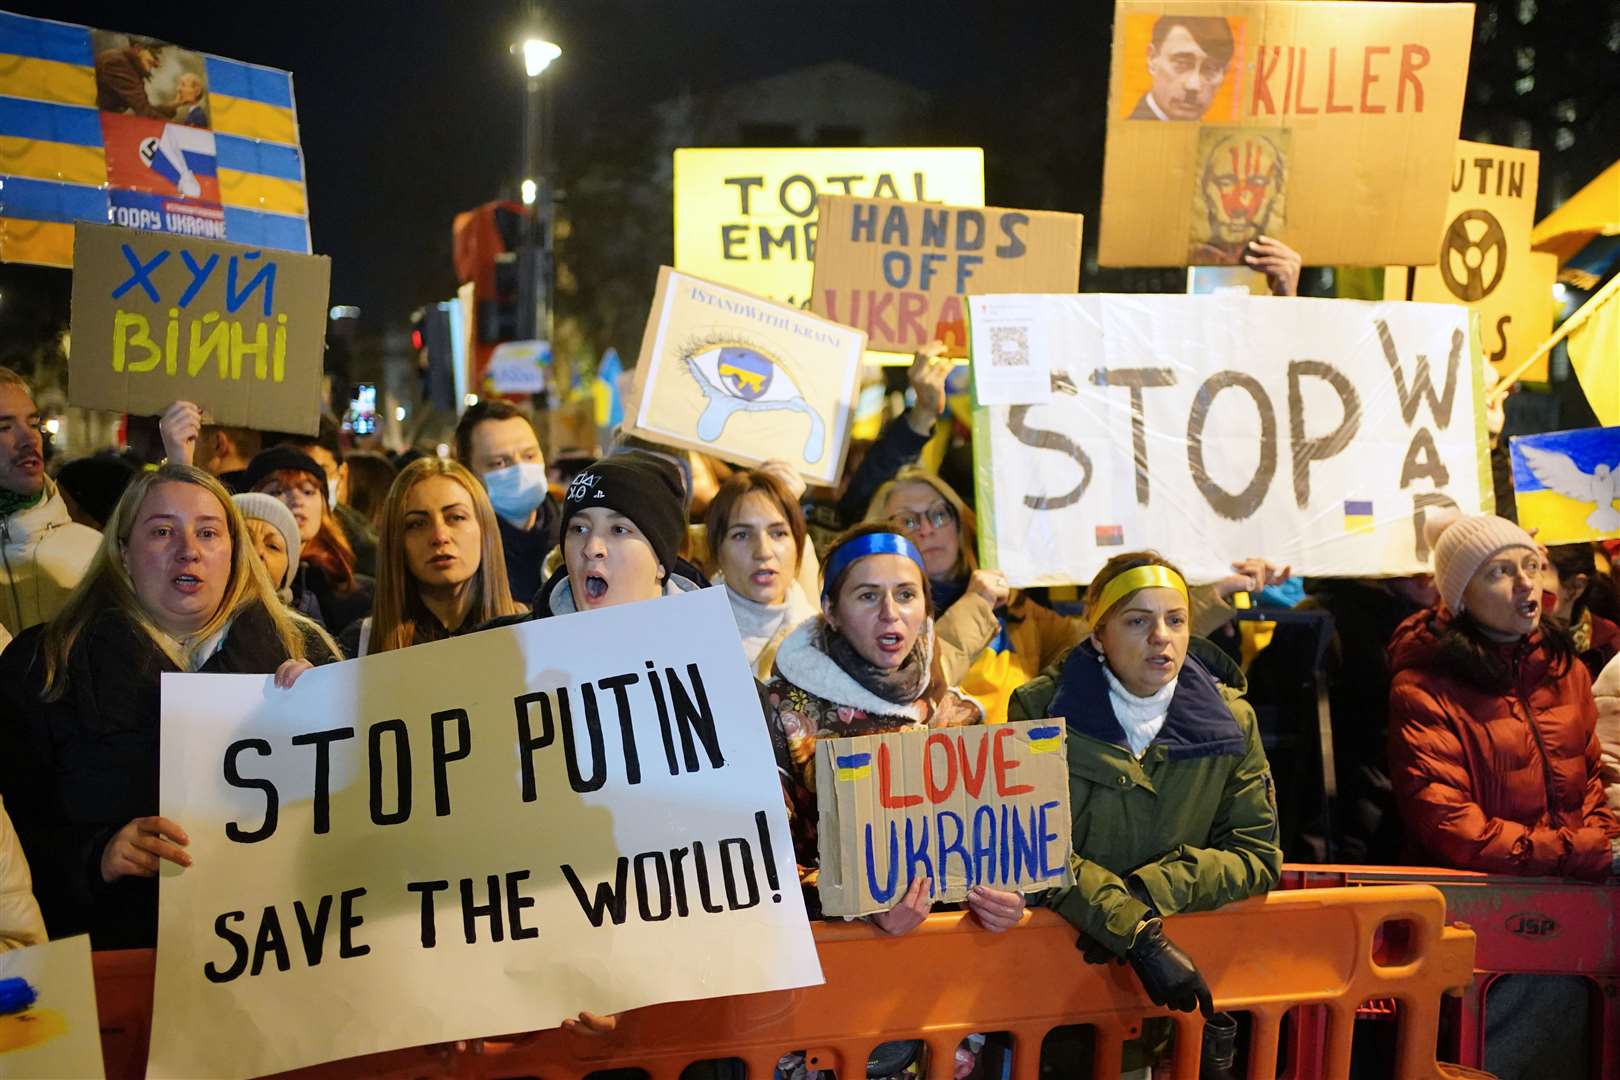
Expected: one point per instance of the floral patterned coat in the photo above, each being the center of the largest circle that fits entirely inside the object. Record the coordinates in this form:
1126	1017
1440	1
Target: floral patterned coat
810	696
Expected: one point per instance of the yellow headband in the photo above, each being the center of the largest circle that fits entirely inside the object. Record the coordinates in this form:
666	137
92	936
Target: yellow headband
1141	577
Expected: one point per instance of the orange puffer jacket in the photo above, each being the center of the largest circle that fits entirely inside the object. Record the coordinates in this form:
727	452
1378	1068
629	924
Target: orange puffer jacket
1504	780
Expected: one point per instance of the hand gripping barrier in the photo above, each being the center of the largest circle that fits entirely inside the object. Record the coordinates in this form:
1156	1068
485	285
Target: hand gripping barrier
1311	947
1523	926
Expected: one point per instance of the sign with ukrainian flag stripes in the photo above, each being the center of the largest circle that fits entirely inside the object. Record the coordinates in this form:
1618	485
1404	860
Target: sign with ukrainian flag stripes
1567	484
112	128
985	805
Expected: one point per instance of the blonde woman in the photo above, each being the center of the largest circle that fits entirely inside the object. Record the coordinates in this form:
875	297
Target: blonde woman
440	567
175	586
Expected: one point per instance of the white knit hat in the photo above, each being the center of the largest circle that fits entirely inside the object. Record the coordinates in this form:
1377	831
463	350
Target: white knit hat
1467	544
257	506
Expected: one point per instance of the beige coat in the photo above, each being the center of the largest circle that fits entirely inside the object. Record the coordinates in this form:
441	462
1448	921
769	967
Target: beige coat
20	920
46	553
1607	692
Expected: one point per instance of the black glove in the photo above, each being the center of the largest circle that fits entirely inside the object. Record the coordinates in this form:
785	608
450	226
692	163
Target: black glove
1168	975
1094	951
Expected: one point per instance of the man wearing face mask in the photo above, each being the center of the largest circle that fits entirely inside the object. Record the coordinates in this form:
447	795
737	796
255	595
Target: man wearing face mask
498	444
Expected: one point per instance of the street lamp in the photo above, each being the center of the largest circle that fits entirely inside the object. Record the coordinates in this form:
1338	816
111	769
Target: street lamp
534	271
538	54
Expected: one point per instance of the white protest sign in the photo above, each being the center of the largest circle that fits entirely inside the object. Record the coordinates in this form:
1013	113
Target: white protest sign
479	836
1317	433
48	1025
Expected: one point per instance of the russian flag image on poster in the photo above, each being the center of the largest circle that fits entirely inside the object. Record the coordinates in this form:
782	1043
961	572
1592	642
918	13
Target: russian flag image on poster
1567	484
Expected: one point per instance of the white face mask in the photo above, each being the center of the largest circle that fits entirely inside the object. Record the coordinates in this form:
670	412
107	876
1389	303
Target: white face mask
516	491
331	493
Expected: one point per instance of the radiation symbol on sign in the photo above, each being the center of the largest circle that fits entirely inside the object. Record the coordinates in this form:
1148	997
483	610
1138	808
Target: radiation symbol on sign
1473	255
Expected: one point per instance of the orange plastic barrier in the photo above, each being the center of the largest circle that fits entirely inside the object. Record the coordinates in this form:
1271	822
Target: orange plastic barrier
1310	947
1523	926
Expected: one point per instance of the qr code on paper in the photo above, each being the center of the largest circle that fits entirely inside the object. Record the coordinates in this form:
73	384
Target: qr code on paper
1009	346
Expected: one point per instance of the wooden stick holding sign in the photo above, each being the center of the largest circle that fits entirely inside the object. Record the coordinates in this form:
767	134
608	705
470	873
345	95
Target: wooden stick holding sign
962	807
158	318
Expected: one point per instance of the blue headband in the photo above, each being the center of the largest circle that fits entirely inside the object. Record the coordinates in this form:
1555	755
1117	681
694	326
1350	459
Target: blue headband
881	543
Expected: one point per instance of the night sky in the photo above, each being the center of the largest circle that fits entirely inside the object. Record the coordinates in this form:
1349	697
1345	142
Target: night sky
411	112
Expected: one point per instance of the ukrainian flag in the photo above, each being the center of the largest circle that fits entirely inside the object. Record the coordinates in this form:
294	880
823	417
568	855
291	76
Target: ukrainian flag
1358	515
52	167
1045	739
853	766
261	170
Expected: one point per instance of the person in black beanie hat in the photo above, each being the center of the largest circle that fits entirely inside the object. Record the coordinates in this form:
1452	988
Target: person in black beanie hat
92	486
623	521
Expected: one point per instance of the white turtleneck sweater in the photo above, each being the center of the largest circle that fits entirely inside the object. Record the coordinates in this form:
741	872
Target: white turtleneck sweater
761	624
1141	717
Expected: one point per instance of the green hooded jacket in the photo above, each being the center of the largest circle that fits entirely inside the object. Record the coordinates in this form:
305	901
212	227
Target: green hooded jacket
1189	827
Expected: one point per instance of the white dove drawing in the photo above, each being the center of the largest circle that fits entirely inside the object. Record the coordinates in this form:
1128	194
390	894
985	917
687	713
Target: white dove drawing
1601	485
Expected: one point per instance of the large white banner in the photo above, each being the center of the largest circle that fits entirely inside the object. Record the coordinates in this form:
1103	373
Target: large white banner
480	836
1317	433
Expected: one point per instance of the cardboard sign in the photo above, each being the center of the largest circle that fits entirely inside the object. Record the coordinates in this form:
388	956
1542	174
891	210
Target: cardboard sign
749	217
1317	433
1484	259
899	271
471	838
106	126
984	805
158	318
1566	484
48	1025
1329	127
728	373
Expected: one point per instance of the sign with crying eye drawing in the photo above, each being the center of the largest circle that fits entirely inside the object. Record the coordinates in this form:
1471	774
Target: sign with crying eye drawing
732	374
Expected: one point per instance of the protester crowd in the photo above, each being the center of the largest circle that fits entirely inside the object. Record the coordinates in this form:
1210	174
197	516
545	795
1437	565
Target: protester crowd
1467	725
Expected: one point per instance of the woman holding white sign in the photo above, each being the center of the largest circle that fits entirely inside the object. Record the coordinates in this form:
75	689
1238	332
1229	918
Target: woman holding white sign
866	665
174	587
440	567
1174	808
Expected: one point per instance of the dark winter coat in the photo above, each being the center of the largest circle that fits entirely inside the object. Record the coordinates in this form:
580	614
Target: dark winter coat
1500	778
526	549
75	771
1190	826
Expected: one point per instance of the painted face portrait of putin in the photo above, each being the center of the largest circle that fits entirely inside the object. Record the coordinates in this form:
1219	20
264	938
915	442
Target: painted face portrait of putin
1187	60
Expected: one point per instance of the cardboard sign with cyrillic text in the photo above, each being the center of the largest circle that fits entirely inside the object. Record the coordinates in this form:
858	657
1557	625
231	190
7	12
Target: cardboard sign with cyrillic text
1324	431
1483	256
158	318
1328	126
983	805
900	270
473	837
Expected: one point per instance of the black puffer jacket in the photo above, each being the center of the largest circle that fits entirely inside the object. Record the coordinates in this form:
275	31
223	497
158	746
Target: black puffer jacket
75	771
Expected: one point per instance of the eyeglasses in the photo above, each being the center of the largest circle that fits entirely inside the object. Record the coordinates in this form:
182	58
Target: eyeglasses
938	516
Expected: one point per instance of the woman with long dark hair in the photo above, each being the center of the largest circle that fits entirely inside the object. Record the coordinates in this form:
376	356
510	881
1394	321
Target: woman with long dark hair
440	569
326	558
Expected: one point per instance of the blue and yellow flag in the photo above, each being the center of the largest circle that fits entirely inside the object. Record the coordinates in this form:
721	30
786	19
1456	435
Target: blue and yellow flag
1567	484
108	127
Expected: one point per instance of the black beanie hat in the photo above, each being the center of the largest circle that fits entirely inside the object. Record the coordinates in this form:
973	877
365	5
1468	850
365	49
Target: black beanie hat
645	489
278	458
96	483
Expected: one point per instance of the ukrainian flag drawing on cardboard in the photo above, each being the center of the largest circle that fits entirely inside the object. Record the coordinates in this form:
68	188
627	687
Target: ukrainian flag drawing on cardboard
116	128
1567	484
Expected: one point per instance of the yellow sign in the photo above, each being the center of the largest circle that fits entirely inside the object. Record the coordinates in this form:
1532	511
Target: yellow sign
1327	126
748	217
1483	259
